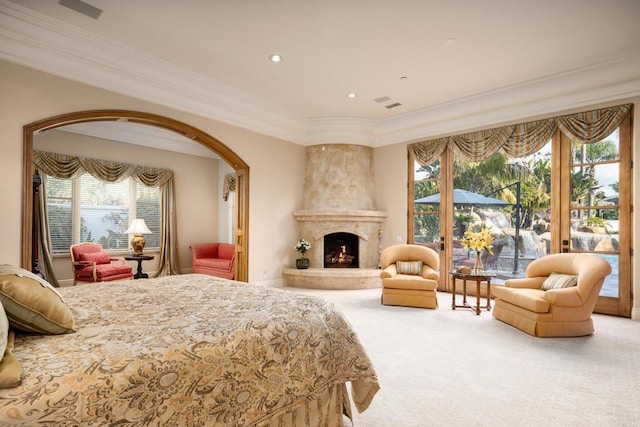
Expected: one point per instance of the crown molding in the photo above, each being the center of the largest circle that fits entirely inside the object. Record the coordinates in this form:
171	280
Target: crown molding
340	130
40	42
611	81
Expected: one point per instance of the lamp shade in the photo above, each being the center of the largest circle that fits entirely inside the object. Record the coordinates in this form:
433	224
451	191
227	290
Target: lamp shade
138	226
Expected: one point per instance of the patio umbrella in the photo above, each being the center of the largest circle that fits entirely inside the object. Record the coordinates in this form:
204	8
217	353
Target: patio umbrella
464	197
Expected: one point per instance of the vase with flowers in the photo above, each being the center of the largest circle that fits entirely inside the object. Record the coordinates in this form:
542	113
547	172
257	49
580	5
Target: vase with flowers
478	239
302	246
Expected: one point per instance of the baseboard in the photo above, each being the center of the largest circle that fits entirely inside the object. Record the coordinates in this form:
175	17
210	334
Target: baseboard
635	313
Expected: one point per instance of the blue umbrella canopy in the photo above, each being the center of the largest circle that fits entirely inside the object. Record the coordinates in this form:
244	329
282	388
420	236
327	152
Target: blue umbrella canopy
464	197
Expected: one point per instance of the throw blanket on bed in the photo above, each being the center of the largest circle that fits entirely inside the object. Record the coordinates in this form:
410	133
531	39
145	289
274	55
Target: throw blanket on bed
187	350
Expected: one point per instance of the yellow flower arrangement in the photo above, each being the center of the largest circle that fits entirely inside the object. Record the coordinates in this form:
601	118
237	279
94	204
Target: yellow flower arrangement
478	239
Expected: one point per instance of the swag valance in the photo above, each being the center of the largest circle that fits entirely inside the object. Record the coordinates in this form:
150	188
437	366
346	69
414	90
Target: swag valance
522	139
229	185
66	166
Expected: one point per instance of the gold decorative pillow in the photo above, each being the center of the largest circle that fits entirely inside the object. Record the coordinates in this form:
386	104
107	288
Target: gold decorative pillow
10	368
559	281
409	267
32	304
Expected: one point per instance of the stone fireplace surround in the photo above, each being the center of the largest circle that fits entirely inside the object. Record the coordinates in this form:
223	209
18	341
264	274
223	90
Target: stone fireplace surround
338	198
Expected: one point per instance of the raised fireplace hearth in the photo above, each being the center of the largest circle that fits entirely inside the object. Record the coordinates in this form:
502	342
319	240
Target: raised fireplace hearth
339	219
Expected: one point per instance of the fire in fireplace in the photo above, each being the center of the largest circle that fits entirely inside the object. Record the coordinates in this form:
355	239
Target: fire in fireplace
341	250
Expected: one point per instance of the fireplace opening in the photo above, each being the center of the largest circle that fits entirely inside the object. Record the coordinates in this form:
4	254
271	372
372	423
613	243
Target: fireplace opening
341	250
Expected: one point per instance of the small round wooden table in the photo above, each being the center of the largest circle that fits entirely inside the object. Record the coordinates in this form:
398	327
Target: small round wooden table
471	277
139	274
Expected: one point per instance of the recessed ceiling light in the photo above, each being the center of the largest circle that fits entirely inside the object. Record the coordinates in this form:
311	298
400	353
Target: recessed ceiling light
352	95
275	58
449	42
403	78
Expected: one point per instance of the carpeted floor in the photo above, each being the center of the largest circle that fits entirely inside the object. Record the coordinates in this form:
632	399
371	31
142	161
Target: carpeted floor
452	368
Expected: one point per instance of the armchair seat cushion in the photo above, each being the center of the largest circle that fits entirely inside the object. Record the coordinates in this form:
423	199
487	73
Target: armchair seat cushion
529	299
217	263
405	281
105	272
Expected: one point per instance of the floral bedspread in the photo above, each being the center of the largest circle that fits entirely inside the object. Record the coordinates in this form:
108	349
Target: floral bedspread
186	350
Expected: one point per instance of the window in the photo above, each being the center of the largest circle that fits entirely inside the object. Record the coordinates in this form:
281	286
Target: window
86	209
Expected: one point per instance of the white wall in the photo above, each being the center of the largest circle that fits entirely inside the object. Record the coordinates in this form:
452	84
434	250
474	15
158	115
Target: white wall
276	166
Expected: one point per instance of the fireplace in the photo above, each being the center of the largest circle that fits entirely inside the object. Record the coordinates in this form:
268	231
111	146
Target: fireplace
341	250
339	220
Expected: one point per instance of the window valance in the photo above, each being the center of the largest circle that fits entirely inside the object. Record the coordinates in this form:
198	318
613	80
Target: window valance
523	139
67	166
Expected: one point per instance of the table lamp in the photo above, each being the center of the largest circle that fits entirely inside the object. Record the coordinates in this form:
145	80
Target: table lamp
138	228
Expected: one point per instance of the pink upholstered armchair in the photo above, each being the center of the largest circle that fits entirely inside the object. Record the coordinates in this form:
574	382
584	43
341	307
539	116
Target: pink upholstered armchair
90	263
214	259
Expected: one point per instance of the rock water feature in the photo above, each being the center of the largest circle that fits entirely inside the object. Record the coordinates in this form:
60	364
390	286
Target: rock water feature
536	243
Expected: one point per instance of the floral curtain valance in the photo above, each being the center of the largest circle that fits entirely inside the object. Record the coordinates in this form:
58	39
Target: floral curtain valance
525	138
66	166
229	185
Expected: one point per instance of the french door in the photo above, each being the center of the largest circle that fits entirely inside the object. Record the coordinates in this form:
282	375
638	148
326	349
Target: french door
594	209
568	197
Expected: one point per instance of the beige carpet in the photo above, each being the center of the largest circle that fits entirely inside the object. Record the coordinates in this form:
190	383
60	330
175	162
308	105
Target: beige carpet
448	368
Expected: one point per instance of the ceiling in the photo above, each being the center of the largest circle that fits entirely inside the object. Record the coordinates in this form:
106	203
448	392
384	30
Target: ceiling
452	65
140	134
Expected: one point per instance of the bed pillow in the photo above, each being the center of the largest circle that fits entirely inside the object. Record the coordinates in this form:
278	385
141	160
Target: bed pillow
559	281
409	267
32	304
97	257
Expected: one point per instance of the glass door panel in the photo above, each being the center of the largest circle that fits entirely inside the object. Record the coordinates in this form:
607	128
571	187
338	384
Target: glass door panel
426	213
511	198
596	214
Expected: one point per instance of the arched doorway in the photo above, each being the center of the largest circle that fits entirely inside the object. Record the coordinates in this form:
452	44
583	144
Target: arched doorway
225	153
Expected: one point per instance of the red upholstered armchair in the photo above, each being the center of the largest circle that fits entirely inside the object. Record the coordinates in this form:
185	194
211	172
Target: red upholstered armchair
214	259
90	263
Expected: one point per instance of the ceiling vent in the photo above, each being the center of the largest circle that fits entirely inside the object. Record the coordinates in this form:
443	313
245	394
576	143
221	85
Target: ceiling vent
382	99
394	105
82	7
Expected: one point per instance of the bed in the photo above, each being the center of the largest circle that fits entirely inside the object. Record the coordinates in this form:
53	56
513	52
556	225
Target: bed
191	350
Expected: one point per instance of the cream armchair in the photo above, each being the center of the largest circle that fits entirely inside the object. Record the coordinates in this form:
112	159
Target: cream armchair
556	312
410	276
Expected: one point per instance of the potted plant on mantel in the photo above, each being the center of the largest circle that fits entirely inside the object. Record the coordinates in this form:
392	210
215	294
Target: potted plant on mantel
302	246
